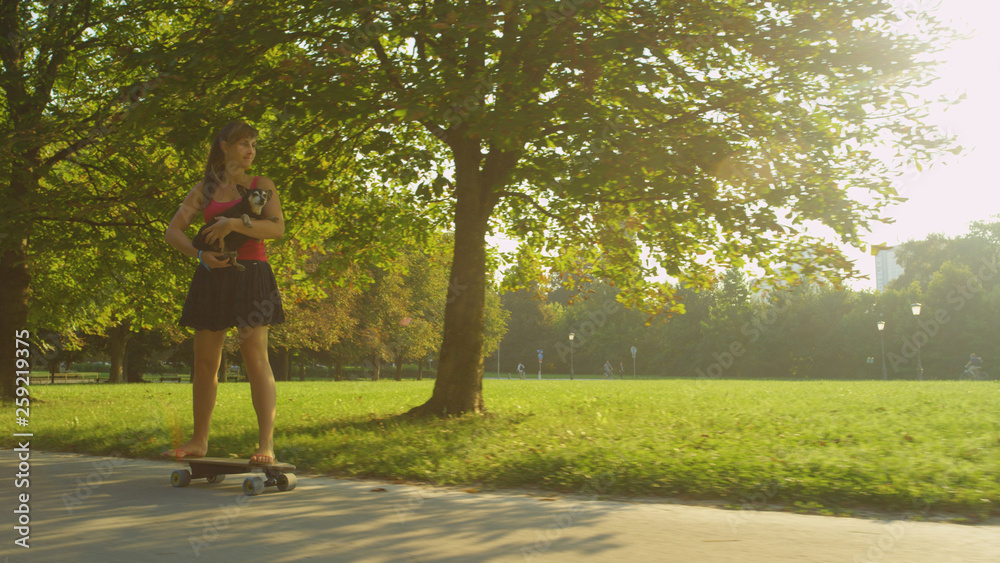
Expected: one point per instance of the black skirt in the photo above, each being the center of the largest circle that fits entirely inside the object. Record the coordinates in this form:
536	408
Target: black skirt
226	297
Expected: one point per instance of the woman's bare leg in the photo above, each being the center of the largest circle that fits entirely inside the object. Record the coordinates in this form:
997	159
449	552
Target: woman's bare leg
207	357
253	345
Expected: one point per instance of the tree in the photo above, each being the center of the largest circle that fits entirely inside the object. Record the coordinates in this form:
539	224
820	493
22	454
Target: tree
603	330
319	314
920	259
957	281
593	131
627	139
422	317
77	162
721	347
532	322
670	345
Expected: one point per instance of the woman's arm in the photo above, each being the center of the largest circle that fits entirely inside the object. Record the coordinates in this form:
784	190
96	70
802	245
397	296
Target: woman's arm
262	228
180	222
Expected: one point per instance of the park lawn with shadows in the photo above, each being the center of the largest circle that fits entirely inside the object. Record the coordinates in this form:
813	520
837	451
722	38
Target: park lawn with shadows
832	447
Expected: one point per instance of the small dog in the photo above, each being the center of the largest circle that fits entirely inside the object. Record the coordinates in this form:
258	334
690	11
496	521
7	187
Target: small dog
248	208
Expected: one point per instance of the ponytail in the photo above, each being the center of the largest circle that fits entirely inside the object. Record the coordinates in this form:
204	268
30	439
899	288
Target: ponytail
215	169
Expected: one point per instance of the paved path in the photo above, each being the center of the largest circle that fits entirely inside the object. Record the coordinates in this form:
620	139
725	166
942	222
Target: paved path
100	509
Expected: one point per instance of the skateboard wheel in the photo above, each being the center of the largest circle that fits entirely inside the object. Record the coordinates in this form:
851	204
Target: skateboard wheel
215	478
286	482
253	486
180	478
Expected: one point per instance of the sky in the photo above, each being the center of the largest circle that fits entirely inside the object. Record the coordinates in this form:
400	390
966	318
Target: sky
950	195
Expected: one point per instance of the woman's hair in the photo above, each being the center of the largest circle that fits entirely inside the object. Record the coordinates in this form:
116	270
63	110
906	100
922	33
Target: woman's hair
232	132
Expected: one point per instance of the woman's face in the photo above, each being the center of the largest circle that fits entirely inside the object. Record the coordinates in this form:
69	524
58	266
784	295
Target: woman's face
239	154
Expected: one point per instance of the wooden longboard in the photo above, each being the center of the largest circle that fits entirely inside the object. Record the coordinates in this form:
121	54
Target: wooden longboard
215	469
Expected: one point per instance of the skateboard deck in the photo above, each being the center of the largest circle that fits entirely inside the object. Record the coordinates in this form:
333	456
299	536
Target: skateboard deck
215	469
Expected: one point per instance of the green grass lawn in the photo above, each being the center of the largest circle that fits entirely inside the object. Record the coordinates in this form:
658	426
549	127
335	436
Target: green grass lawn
829	447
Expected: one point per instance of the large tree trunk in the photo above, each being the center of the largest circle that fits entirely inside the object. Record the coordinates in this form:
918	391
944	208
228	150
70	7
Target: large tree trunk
399	367
132	369
376	362
222	376
119	341
21	164
459	384
14	280
281	361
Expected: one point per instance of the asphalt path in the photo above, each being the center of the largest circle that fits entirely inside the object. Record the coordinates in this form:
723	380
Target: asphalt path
84	508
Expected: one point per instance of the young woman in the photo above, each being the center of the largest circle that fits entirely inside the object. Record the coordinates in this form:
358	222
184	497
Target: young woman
220	296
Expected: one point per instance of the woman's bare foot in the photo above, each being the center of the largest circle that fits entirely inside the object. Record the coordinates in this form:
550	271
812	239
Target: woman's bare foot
190	449
263	456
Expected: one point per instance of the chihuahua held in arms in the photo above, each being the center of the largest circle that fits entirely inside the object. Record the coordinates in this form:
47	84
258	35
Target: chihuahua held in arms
248	208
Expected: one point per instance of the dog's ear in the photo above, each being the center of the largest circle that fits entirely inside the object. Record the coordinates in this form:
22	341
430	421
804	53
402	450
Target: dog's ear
267	195
242	191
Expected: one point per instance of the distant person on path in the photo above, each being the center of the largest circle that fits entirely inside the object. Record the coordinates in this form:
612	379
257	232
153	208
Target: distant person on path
608	370
520	370
621	370
974	367
220	296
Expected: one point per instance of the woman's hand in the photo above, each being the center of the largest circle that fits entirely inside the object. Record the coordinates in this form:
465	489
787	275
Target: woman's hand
218	231
213	260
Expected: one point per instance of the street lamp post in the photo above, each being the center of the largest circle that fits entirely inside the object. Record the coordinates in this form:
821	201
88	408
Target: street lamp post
633	350
881	327
571	335
920	366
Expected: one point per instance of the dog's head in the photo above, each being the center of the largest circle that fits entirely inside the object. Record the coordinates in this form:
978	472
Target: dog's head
255	197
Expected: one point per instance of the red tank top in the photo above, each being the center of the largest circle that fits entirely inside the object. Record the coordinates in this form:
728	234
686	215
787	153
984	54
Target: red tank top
252	249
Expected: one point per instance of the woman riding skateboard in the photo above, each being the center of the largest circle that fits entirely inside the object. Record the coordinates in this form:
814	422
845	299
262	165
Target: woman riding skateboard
220	296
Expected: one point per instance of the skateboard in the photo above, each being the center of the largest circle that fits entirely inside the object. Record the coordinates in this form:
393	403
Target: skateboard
215	469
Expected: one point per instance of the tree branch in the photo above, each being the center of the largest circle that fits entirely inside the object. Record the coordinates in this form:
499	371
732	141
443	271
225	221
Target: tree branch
60	51
100	129
93	223
531	201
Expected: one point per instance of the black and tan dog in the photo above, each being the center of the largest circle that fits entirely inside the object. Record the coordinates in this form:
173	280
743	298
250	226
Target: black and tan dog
248	208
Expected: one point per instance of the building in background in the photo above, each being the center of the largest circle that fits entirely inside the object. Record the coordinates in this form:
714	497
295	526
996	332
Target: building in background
886	268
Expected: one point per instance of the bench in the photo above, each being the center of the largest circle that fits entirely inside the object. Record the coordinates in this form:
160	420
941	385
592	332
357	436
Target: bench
174	378
65	377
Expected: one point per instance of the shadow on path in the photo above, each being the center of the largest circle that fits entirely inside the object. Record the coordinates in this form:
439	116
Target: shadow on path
113	509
